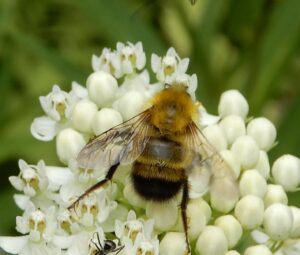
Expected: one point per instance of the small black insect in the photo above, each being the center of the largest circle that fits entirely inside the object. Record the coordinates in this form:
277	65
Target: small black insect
109	246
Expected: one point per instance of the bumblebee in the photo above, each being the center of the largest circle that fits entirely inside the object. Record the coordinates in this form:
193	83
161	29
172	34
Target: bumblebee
163	144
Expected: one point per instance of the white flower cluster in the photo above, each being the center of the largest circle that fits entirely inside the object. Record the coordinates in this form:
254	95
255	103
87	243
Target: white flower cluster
117	90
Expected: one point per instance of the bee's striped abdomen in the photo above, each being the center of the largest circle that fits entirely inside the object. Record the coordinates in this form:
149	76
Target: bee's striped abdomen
159	172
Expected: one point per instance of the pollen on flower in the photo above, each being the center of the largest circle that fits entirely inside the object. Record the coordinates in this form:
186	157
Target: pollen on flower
233	187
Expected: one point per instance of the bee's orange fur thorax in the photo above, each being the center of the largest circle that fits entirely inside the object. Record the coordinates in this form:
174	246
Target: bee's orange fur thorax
173	109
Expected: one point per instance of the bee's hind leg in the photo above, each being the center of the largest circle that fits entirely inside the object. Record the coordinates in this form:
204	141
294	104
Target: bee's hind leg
184	202
96	186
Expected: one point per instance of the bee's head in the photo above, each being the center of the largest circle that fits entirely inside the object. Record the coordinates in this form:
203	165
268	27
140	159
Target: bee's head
173	109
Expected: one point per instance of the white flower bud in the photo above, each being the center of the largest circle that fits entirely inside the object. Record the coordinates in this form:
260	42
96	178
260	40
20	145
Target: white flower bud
105	119
286	172
252	183
102	88
232	252
130	104
263	164
296	222
250	211
133	198
68	144
258	250
197	220
246	151
83	115
212	241
216	137
232	102
233	163
263	131
275	194
233	127
232	229
164	214
223	194
173	243
205	208
278	221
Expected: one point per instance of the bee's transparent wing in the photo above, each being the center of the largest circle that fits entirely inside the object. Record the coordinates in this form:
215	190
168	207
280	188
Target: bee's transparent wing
222	176
121	144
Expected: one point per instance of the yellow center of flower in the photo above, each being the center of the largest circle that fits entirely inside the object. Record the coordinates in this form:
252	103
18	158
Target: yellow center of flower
169	70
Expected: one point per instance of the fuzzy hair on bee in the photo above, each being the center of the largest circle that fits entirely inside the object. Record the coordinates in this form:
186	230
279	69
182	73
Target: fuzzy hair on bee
163	144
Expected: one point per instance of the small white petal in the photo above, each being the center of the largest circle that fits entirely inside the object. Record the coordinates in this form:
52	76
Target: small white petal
95	62
21	201
173	243
44	128
79	91
68	144
278	221
155	63
105	119
286	172
164	214
212	241
233	127
102	88
258	249
16	182
246	151
232	229
232	102
183	65
252	183
216	137
275	194
263	131
83	115
250	211
13	245
259	237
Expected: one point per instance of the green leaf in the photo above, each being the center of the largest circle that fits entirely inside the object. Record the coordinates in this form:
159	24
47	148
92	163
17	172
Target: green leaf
213	15
35	45
114	20
288	133
278	44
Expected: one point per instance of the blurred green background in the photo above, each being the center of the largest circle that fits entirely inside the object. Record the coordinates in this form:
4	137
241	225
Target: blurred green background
250	45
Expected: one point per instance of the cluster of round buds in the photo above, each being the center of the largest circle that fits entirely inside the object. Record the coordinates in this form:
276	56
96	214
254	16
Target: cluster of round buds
221	211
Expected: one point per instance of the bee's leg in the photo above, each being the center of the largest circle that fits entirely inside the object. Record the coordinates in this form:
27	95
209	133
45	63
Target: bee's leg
96	186
184	202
